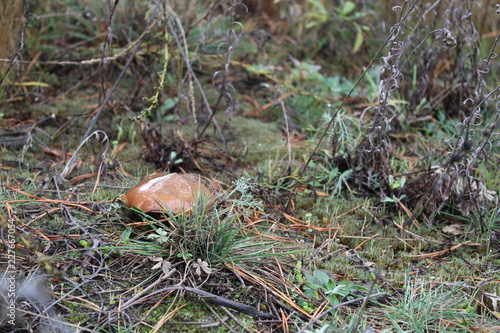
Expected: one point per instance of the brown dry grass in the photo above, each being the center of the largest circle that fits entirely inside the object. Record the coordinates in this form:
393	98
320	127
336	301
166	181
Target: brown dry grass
11	21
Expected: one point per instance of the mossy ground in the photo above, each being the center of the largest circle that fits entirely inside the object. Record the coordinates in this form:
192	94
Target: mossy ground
96	252
357	223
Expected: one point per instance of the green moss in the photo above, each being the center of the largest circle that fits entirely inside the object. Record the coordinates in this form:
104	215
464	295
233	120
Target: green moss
192	310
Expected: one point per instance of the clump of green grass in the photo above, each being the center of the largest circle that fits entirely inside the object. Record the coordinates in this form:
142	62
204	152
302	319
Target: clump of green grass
425	307
211	235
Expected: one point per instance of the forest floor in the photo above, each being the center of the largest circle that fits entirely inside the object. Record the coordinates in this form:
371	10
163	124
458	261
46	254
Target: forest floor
341	205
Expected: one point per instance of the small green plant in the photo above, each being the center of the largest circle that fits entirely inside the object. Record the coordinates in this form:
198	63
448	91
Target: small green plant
345	132
346	13
173	159
395	185
427	308
335	292
335	180
160	235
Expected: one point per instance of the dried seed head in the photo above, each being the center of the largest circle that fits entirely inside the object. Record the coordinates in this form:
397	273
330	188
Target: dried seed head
455	158
448	40
467	146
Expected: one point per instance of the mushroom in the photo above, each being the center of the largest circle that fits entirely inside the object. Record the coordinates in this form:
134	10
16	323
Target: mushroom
176	191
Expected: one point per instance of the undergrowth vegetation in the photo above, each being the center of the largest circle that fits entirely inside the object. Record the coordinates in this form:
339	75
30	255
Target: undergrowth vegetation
354	145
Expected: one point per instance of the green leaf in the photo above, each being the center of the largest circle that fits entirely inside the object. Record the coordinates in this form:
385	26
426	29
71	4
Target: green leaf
319	7
333	300
331	284
310	279
125	236
309	292
359	39
388	199
169	104
348	8
317	15
322	277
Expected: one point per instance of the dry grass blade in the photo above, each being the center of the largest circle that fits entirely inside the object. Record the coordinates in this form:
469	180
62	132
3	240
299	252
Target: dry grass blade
269	286
166	318
442	252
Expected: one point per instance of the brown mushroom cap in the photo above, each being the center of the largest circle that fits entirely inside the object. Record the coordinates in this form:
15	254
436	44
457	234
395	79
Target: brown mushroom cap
178	192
